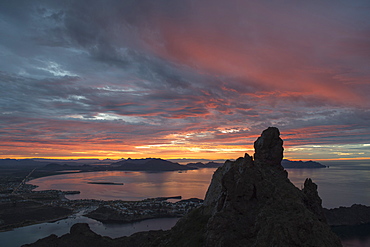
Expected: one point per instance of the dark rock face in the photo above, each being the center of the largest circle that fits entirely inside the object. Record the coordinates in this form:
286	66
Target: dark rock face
253	203
269	148
312	200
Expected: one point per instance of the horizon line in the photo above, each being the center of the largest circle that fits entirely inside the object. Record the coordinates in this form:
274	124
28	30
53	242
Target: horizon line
219	159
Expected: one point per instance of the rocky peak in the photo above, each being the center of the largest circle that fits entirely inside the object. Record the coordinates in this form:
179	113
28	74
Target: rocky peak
269	147
253	203
312	199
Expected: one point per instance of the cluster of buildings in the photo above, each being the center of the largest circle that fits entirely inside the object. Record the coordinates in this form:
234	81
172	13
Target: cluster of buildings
124	211
11	192
153	207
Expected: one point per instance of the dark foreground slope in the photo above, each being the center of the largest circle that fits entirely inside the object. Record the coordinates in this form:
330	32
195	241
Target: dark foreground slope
250	202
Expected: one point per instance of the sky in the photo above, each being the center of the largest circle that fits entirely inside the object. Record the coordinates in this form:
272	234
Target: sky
184	79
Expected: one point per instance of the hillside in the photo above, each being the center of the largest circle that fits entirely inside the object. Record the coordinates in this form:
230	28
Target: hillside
149	164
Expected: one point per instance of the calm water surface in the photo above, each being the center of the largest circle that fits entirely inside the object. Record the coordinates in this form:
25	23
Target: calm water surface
339	185
30	234
137	185
342	184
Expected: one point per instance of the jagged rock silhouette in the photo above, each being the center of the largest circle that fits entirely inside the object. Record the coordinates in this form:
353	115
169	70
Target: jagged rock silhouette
250	202
253	203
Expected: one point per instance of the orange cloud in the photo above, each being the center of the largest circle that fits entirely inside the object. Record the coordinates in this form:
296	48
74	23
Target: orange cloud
275	63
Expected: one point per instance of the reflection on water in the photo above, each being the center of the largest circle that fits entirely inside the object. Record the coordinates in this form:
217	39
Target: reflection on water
30	234
339	185
137	185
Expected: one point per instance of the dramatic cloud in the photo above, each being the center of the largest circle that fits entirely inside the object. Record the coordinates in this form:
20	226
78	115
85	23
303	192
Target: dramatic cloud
192	79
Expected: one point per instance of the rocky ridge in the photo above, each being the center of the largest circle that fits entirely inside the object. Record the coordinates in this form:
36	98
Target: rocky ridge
250	202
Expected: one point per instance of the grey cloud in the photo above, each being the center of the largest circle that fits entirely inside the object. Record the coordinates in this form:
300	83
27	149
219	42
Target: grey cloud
112	70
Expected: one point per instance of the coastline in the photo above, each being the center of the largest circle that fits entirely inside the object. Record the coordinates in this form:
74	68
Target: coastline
31	214
23	224
123	222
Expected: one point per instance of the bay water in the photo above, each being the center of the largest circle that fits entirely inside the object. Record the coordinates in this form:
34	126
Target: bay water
342	184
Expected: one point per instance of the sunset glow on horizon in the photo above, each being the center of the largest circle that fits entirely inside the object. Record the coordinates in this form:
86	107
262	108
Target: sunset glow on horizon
184	79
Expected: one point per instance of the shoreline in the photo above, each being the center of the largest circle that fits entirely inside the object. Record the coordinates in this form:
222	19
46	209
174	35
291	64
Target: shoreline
24	224
15	213
123	222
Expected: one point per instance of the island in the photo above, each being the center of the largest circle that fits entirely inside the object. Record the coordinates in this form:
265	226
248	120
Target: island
301	164
148	164
106	183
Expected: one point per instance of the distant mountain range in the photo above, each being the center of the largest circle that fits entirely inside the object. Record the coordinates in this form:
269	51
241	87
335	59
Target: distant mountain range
285	163
64	167
15	163
148	164
207	165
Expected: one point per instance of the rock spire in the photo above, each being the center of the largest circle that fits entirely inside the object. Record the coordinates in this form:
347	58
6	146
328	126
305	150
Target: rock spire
269	147
251	202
